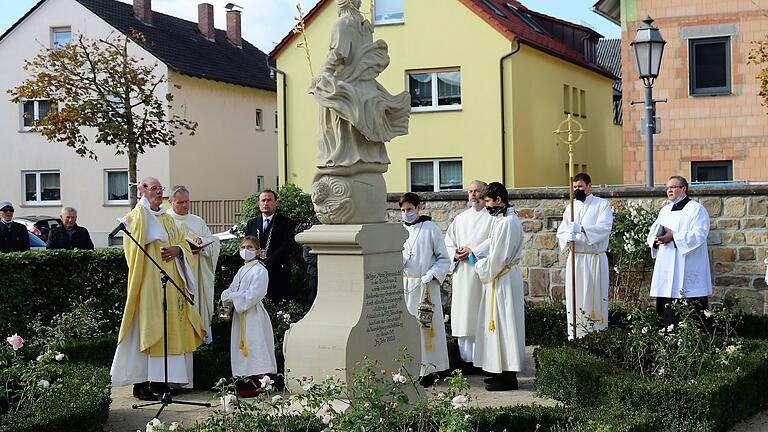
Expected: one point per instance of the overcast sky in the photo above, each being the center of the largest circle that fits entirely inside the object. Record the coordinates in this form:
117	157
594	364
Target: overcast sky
265	22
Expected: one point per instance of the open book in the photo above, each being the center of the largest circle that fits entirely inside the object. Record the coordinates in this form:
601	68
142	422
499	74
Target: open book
194	246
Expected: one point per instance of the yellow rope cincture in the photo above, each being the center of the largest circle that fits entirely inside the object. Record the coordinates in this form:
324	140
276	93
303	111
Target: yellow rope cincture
505	270
597	272
243	348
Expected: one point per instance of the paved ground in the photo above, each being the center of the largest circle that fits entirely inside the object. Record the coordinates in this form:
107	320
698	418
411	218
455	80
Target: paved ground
123	418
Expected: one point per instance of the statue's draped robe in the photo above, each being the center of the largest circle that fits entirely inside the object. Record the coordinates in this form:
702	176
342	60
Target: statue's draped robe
357	114
595	215
423	252
203	264
468	229
139	354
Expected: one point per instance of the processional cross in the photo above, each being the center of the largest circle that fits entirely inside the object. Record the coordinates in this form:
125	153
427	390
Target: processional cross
572	136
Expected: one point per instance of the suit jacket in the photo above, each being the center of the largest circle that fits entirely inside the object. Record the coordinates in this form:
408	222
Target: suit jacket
278	261
58	238
13	237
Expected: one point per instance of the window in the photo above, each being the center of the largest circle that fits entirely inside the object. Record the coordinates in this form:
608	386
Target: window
259	121
566	99
259	183
116	186
435	91
34	110
583	103
712	171
575	101
60	36
41	187
388	12
435	175
709	66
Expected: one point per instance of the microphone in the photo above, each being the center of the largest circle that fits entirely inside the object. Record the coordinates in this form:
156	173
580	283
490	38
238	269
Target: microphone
118	228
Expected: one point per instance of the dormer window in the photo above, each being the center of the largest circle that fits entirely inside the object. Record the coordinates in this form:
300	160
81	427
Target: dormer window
60	36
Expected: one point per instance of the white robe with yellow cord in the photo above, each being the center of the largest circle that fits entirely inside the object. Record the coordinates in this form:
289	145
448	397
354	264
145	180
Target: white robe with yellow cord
595	215
252	349
500	335
203	264
139	354
424	252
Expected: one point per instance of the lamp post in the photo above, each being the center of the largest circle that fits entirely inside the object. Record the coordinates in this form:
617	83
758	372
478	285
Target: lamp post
649	47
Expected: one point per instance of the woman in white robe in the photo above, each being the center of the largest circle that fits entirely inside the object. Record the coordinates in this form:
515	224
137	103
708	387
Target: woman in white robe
425	265
253	345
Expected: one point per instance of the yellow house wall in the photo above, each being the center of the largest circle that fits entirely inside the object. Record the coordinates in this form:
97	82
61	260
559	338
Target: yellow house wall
227	153
538	104
473	133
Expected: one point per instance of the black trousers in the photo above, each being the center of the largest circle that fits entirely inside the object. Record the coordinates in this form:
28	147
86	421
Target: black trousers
666	313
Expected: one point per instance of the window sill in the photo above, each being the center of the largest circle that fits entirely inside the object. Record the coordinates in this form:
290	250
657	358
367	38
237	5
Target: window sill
41	204
436	109
116	204
389	22
723	93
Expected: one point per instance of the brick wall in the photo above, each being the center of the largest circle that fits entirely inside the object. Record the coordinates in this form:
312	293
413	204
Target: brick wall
737	241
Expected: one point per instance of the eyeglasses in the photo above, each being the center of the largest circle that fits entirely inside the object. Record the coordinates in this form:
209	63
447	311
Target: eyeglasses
7	210
155	188
673	187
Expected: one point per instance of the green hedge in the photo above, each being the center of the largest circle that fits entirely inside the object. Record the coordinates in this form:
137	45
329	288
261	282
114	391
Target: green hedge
77	402
714	402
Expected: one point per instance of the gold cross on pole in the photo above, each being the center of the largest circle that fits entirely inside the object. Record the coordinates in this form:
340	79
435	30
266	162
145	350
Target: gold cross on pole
573	135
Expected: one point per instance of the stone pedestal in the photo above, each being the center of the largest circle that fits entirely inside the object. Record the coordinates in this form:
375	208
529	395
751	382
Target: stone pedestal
359	310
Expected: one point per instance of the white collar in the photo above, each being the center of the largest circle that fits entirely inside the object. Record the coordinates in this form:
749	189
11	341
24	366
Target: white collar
144	202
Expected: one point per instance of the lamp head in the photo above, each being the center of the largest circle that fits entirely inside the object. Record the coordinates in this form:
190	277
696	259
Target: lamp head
649	47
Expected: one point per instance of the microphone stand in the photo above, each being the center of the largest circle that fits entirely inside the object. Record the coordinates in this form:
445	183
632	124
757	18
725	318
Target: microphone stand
166	398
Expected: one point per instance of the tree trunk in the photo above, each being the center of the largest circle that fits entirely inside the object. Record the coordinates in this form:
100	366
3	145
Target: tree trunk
132	190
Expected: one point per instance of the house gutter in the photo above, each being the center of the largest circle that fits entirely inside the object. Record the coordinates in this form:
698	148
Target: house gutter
503	127
285	123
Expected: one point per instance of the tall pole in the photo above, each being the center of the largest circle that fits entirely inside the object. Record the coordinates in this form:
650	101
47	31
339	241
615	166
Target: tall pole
572	137
649	129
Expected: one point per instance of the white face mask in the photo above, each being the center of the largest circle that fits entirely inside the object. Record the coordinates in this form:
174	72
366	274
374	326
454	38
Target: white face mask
410	216
247	254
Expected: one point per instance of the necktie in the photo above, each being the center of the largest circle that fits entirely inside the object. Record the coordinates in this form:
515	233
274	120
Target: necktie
266	224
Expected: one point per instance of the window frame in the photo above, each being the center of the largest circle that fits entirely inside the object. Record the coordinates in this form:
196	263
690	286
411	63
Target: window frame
725	163
35	112
435	172
107	201
60	29
388	21
259	119
435	96
38	191
727	90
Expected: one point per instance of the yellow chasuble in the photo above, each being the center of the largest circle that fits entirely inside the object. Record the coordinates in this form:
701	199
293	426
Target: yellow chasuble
145	292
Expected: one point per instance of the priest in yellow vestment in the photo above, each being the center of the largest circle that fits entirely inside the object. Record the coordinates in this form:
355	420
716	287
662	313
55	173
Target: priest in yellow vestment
139	355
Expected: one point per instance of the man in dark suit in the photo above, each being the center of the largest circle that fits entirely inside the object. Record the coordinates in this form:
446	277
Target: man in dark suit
69	235
13	235
275	233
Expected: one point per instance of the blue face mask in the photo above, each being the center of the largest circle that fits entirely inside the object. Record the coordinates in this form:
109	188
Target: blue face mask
678	199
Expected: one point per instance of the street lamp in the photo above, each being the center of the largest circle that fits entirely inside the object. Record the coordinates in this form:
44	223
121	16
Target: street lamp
649	47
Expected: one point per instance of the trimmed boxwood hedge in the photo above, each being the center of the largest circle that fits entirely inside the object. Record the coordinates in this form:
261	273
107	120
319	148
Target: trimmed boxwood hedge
714	402
78	402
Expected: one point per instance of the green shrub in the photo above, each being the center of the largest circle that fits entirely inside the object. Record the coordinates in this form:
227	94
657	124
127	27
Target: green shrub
78	401
98	351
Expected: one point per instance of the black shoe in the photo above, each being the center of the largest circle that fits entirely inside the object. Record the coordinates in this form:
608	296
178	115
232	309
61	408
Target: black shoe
428	380
160	388
492	379
470	369
507	381
141	391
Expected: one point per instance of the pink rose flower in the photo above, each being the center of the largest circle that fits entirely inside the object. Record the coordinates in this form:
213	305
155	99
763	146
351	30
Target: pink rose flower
16	341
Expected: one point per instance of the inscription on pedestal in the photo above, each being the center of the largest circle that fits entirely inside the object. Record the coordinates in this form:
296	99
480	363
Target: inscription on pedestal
383	305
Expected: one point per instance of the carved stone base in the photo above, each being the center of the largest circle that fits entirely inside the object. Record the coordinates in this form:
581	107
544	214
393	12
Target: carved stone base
350	199
359	310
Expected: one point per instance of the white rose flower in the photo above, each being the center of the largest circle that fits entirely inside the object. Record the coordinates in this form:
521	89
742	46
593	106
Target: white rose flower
43	384
154	425
229	402
459	401
59	357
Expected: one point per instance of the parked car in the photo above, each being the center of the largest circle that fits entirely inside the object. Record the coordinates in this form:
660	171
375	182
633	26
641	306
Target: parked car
35	243
39	225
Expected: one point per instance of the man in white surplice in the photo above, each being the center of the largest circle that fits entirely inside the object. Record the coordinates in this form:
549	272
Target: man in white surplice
590	230
204	259
678	242
425	265
468	229
500	334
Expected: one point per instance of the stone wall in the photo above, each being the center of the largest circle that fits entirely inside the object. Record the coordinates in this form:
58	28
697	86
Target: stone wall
737	242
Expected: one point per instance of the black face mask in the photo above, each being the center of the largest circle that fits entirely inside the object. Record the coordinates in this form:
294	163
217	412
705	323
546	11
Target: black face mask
579	194
495	211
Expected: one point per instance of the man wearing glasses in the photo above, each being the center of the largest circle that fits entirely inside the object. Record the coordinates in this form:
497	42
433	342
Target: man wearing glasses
140	344
13	235
678	242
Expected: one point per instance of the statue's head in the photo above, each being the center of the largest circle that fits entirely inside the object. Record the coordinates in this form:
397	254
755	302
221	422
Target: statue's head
347	5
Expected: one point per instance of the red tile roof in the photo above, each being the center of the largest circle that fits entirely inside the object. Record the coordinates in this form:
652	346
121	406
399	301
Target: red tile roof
510	26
